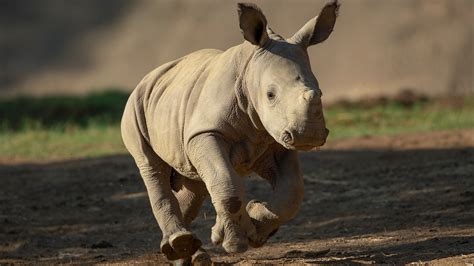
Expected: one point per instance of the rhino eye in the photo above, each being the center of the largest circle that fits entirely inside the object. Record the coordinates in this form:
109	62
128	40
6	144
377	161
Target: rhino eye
270	95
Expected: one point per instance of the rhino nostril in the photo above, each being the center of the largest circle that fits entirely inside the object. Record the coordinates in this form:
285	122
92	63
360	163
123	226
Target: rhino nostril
287	137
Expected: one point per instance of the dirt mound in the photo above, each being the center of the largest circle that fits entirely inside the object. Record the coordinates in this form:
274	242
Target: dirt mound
386	201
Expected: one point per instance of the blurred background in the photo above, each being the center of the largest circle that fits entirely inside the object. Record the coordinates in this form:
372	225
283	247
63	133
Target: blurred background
70	64
377	48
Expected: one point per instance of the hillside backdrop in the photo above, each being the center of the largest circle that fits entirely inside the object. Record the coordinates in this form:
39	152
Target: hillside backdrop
377	48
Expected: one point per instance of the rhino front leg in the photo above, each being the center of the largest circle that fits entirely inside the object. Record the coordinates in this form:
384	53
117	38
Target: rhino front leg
283	171
209	154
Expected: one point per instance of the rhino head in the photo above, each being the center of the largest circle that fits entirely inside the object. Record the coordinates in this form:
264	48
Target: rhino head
280	83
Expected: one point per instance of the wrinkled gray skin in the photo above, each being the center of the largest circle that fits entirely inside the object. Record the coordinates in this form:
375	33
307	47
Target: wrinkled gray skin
195	126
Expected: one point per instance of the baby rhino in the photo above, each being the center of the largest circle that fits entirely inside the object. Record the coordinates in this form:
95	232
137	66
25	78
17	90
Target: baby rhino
197	125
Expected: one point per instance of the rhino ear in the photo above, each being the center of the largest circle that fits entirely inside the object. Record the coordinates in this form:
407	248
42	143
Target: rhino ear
319	28
253	23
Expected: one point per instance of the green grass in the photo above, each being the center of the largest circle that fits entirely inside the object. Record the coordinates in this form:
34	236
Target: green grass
394	118
59	112
59	127
54	144
55	128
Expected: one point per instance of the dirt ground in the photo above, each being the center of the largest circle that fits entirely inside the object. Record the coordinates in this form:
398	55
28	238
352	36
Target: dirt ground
399	199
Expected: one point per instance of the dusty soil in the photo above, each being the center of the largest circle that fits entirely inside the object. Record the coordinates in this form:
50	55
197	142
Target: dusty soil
399	199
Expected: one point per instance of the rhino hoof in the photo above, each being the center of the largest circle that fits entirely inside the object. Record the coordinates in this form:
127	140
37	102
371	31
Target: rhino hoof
180	245
184	243
168	251
201	258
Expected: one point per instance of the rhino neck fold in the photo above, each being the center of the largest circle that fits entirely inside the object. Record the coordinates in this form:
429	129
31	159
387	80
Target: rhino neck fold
244	101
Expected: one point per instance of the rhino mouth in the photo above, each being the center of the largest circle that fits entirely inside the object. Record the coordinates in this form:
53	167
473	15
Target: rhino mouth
288	141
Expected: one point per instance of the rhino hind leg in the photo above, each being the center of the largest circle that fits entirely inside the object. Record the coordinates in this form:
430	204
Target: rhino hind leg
191	195
178	241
